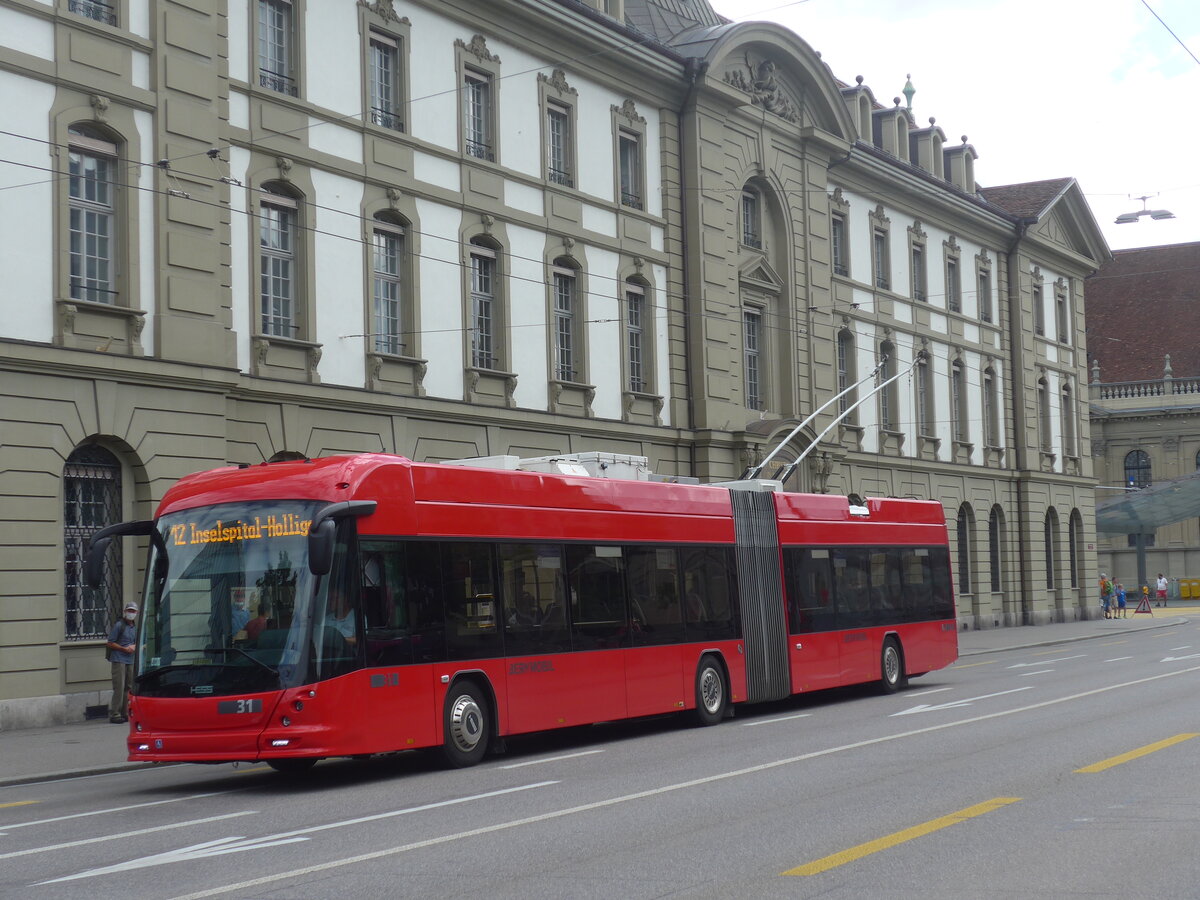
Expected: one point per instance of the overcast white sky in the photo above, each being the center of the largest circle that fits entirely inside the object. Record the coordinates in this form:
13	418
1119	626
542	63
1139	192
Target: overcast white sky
1097	90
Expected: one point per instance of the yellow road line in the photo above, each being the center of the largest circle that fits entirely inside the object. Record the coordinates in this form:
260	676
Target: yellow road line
1134	754
972	665
1113	643
18	803
900	837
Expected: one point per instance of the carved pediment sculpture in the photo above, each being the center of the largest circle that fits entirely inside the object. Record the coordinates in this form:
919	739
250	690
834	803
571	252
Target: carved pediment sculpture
760	82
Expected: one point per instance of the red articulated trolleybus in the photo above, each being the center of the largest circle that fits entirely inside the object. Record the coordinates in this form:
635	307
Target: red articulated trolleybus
365	604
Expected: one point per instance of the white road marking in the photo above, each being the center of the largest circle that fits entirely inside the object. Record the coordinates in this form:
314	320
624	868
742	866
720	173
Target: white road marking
1042	662
1118	658
907	695
773	721
654	792
538	762
111	809
236	844
953	704
1178	658
1176	649
1038	672
127	834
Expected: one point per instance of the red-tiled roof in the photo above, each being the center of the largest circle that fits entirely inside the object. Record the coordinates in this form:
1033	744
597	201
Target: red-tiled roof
1025	200
1143	305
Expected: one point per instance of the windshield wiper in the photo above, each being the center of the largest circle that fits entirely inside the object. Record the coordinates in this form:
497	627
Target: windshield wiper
253	659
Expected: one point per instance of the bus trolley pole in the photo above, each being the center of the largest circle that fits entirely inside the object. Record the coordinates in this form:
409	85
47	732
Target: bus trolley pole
754	471
786	472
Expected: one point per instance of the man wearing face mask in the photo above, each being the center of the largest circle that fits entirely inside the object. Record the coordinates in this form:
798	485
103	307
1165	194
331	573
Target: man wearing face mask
121	638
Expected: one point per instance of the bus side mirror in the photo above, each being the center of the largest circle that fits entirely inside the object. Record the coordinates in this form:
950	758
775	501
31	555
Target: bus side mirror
93	563
320	547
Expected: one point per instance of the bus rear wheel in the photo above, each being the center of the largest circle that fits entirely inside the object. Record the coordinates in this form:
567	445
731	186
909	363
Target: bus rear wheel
466	725
891	667
291	766
712	693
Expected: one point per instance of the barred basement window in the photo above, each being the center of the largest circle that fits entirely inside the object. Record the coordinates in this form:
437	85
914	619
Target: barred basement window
91	501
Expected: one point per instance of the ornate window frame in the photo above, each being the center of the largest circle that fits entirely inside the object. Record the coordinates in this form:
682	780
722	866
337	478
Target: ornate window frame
984	287
881	263
918	262
556	97
476	65
629	131
1038	301
952	255
379	21
839	231
1062	311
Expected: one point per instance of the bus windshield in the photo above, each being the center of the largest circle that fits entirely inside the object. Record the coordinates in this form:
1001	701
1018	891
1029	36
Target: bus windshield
228	600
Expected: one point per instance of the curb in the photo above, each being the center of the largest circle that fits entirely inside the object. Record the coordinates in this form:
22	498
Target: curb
1071	640
112	769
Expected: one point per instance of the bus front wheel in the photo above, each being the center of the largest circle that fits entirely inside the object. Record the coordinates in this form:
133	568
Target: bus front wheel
712	693
891	667
466	725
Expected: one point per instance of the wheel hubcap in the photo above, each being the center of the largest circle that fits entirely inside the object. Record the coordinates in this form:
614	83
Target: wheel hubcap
891	665
710	690
466	723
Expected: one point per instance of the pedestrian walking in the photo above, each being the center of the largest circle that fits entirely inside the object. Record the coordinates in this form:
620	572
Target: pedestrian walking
1160	594
1121	600
121	639
1106	592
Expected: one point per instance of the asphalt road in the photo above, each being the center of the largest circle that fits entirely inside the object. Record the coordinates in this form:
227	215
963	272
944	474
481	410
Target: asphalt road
1065	771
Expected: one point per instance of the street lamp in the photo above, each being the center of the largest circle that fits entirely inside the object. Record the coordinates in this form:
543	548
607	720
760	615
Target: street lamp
1126	218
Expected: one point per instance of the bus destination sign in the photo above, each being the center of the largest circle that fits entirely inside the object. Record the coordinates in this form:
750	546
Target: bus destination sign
286	525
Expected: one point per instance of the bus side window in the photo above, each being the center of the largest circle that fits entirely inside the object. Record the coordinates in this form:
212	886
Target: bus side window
655	610
596	584
472	607
385	610
531	588
708	604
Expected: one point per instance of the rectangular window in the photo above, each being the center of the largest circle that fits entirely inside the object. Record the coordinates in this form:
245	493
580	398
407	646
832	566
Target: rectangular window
277	260
386	262
385	81
483	301
751	335
953	286
1060	304
924	400
751	236
879	245
559	149
94	10
1039	312
918	272
635	336
844	347
837	237
985	295
92	206
477	116
564	325
629	150
276	67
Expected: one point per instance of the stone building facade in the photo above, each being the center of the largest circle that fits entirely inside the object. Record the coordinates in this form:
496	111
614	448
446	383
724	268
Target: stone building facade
251	229
1145	396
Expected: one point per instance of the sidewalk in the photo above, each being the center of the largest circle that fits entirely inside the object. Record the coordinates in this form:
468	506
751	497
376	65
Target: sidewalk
96	747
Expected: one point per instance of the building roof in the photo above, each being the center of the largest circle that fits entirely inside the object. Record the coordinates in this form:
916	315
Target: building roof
1028	200
665	19
1142	305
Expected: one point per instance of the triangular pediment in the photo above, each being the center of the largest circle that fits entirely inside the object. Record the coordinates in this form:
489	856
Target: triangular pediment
1058	228
759	274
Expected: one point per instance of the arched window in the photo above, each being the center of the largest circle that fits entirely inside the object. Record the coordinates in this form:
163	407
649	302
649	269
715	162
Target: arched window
847	373
888	405
966	562
1074	546
1050	538
92	206
487	343
280	248
91	501
639	336
1137	469
568	326
996	548
388	269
